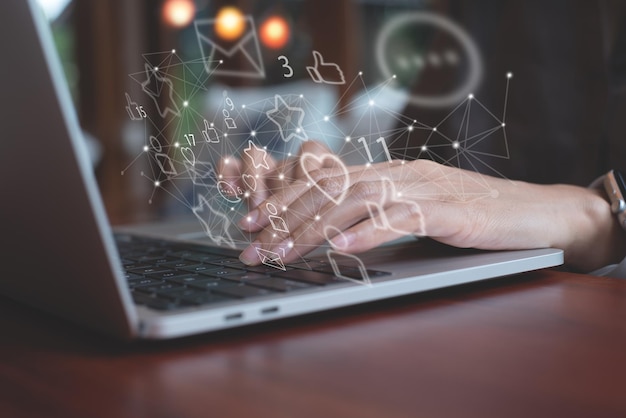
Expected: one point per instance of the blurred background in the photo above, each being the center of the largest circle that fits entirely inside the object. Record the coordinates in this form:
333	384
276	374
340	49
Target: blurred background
391	69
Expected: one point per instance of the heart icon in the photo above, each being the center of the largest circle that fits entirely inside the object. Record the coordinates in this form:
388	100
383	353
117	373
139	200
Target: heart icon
188	155
249	181
310	162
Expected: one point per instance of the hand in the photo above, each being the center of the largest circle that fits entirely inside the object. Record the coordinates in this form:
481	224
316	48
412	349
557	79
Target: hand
453	206
259	182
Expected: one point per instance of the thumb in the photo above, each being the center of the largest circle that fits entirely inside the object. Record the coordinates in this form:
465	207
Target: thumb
317	58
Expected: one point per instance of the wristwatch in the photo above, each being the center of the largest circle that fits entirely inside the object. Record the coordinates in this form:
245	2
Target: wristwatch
615	188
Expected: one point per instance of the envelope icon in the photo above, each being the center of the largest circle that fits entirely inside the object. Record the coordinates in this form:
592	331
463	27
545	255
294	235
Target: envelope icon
270	259
202	173
241	58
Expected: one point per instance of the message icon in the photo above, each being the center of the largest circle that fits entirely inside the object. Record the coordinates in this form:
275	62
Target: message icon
240	59
270	259
325	72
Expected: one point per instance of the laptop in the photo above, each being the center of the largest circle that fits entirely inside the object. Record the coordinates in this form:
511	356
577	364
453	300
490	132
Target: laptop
61	255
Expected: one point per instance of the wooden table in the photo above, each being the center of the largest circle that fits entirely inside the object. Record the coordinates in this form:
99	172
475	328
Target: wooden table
542	344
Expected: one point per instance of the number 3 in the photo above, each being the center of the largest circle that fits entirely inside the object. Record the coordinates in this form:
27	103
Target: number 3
286	65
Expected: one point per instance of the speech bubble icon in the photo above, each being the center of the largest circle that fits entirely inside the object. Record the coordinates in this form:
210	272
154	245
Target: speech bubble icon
309	162
228	192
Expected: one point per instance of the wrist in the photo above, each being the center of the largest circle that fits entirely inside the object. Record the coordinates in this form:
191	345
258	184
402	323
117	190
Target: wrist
595	236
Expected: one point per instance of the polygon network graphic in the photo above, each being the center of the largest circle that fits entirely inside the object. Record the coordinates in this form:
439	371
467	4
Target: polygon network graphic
214	150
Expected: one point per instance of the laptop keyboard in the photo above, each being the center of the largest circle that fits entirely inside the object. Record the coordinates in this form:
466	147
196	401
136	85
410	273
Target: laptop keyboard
166	275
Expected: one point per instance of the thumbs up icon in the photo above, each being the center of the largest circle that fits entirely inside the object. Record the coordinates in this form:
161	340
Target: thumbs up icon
333	74
131	107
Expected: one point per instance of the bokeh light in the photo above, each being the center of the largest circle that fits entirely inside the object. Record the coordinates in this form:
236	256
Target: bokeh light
275	32
229	23
178	13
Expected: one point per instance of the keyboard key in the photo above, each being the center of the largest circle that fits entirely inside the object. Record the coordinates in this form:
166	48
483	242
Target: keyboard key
241	291
280	285
168	274
222	272
144	281
159	289
200	268
266	269
308	276
179	263
246	276
147	269
210	283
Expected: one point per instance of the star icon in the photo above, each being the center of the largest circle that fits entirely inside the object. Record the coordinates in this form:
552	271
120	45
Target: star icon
156	87
253	151
216	225
288	119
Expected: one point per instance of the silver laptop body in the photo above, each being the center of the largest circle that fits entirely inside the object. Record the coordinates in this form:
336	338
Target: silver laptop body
58	250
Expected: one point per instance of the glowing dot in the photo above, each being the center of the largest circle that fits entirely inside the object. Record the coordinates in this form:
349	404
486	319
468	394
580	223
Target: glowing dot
289	155
471	96
243	106
176	144
348	139
301	96
360	72
455	144
273	235
308	184
424	148
509	75
435	129
410	128
178	13
156	69
246	194
371	103
225	134
220	176
402	162
253	133
265	147
298	130
145	148
256	176
284	208
221	61
229	23
290	244
317	217
414	120
503	125
368	165
226	160
326	118
185	103
232	209
249	219
399	194
212	124
281	176
274	32
157	183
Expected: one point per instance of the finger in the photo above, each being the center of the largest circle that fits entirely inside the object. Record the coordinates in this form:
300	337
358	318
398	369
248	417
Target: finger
258	165
305	210
390	223
229	170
